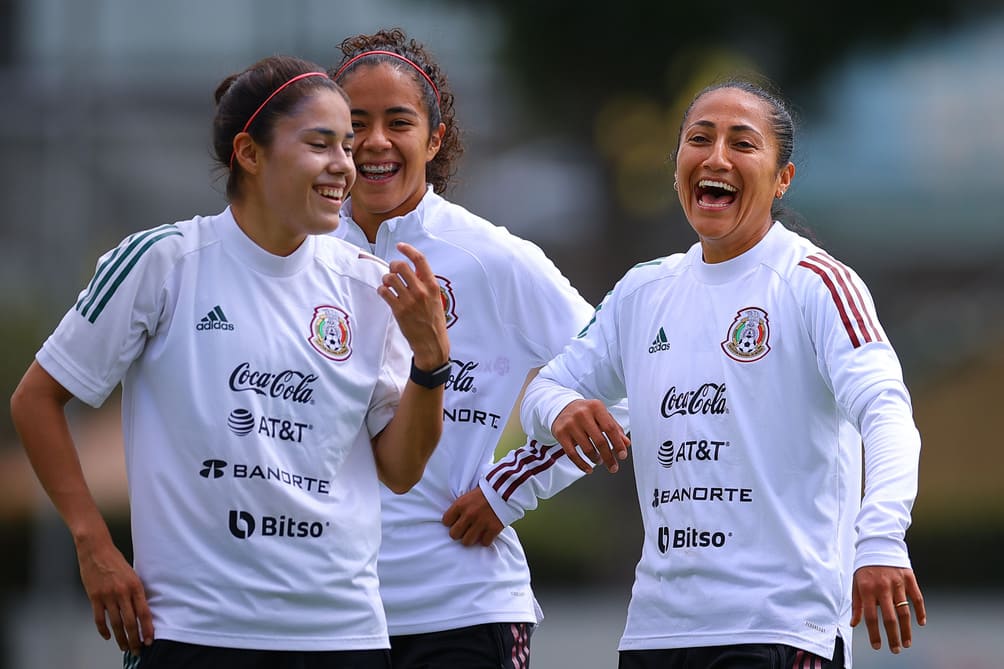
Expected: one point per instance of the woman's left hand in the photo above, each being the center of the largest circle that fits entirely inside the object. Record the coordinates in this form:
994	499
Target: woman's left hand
889	592
414	297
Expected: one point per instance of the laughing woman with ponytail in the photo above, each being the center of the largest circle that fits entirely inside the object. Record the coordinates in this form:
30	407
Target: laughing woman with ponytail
265	394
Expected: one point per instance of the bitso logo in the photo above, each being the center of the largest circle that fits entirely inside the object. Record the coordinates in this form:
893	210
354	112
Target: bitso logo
690	537
660	343
449	301
243	525
330	333
748	335
214	320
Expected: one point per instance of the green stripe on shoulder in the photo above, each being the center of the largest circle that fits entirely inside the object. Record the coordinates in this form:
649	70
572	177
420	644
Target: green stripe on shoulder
114	270
657	261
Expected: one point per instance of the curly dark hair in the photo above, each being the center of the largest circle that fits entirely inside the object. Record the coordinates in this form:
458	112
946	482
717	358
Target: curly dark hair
441	169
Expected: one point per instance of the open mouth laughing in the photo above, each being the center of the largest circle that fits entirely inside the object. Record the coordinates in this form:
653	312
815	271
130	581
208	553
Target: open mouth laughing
712	194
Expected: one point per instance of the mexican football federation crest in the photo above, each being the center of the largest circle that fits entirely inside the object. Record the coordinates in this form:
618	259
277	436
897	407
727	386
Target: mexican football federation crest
330	334
449	301
748	335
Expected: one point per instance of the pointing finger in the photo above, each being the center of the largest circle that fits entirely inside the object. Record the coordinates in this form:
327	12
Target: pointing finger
422	268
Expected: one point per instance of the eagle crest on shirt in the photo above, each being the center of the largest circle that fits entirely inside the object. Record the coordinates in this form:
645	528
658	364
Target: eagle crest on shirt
748	335
449	301
330	334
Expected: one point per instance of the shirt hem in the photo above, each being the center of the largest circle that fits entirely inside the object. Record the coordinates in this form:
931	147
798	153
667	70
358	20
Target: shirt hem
222	640
464	621
722	639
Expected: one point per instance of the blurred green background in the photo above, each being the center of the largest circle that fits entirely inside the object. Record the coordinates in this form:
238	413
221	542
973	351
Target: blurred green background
569	111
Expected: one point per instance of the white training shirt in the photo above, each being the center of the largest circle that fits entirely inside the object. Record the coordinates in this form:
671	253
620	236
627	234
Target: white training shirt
751	383
509	310
252	385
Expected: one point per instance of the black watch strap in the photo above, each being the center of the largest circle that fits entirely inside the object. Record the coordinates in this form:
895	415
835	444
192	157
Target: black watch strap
433	379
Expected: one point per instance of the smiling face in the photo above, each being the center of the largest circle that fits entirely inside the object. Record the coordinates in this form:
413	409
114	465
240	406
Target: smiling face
393	143
727	173
301	178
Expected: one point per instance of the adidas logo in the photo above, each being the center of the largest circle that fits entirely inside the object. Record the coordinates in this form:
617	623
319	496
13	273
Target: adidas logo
660	343
214	320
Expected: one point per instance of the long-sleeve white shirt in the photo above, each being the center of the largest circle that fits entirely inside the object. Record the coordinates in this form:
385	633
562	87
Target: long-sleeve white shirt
509	310
752	384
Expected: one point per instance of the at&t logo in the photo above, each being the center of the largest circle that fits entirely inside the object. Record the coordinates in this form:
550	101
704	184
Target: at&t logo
242	423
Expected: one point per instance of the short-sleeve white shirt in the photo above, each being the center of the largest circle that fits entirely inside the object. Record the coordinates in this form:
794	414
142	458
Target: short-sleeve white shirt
252	385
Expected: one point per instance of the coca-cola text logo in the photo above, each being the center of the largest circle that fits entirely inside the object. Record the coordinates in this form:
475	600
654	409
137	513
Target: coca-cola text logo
461	379
290	384
709	398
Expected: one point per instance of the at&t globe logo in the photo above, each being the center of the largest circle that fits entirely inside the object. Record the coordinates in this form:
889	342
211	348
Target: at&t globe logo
241	422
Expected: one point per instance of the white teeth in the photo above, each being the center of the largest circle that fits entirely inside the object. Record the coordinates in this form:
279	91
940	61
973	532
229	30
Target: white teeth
325	191
377	169
708	183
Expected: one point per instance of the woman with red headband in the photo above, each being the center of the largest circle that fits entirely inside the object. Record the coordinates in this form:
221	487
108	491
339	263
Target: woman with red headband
265	393
455	584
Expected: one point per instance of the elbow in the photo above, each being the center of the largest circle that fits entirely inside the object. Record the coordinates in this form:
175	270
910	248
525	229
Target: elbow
404	478
19	403
402	482
401	486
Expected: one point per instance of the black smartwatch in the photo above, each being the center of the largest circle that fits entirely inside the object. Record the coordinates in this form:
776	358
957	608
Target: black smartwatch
433	379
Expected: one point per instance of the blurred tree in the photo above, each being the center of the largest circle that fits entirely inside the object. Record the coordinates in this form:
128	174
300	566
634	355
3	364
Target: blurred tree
623	75
576	54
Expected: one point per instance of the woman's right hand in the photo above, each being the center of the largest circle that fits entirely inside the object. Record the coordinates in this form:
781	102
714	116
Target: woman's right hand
118	599
587	425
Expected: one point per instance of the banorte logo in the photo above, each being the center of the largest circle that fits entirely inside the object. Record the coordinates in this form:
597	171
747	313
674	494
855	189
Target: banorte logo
212	468
243	525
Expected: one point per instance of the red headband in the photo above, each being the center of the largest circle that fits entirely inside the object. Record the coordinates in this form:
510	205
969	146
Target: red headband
381	52
274	93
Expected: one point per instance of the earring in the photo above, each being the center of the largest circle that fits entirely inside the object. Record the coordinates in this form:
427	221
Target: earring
676	185
779	194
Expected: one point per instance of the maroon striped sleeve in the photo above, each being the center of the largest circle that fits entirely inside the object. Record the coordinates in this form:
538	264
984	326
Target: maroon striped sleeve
522	464
553	453
838	281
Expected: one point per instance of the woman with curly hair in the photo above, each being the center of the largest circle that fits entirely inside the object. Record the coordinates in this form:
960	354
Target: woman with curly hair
453	575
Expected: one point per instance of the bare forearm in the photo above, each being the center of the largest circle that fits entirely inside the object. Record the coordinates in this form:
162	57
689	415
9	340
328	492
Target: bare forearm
117	597
37	408
404	447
